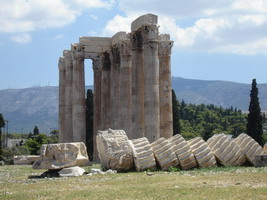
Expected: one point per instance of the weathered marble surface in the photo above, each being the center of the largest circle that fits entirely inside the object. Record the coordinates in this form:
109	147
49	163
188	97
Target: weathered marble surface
114	150
164	154
143	154
25	159
227	152
202	152
62	155
71	171
183	152
265	148
249	146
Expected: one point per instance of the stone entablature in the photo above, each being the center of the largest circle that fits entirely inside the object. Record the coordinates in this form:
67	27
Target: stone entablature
132	83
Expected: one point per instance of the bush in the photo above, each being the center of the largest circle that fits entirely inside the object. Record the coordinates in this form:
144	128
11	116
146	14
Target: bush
9	153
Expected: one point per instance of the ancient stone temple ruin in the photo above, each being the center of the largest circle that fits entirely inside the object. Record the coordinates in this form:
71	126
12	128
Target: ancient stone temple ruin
132	83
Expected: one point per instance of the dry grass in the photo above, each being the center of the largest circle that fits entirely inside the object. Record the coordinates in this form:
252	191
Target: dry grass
215	183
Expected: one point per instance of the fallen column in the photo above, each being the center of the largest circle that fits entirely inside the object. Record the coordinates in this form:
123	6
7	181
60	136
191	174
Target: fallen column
202	152
143	154
114	150
183	152
164	154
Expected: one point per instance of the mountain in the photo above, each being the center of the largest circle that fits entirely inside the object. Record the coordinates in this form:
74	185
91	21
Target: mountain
25	108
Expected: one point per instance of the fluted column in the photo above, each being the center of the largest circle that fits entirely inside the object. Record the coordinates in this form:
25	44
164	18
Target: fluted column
97	102
137	85
61	98
165	89
115	87
68	130
126	89
78	94
151	82
105	91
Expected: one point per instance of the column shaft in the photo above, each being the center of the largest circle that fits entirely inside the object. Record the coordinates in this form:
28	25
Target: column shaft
165	89
78	96
97	103
61	99
126	89
137	86
105	91
151	82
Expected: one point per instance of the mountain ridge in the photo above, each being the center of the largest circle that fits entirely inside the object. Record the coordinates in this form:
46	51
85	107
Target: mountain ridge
25	108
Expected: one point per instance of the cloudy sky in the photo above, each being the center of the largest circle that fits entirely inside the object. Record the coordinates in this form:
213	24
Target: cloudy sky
213	40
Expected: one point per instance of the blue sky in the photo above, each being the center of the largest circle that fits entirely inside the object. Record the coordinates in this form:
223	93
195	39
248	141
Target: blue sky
213	40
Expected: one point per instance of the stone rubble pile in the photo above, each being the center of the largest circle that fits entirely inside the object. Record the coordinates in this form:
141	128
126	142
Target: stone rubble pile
117	152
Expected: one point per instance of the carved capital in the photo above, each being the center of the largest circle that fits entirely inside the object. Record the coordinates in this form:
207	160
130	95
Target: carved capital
78	52
136	40
150	33
165	47
97	63
125	47
61	63
115	54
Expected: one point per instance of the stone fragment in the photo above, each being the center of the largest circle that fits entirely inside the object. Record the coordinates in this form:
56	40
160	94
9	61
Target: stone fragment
2	163
25	159
143	154
227	152
164	154
265	148
62	155
114	150
71	171
144	20
183	152
110	171
249	146
261	160
96	171
202	152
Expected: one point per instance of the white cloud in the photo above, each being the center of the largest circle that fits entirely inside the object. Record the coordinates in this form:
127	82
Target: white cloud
22	38
232	26
30	15
59	37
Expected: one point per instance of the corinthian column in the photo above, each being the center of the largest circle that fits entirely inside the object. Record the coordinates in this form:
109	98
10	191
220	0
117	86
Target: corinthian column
61	98
97	102
67	135
137	86
78	94
165	88
151	82
126	89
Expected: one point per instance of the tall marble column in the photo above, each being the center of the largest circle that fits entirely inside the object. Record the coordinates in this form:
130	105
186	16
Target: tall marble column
165	89
151	82
67	135
137	86
105	91
126	88
115	87
78	94
97	102
61	98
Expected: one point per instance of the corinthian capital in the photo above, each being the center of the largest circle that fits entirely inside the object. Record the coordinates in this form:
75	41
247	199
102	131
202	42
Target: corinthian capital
165	47
78	52
150	33
125	47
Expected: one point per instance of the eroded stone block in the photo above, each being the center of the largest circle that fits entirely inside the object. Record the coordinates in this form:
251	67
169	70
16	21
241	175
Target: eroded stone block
25	159
265	148
71	171
143	154
183	152
62	155
144	20
164	154
114	150
249	146
202	152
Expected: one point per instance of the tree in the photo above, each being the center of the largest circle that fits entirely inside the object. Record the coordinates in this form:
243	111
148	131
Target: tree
254	120
175	114
36	131
2	124
89	123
